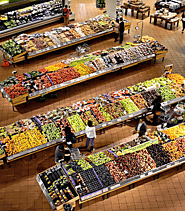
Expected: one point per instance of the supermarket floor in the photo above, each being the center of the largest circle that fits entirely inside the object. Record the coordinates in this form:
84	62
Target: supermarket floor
19	190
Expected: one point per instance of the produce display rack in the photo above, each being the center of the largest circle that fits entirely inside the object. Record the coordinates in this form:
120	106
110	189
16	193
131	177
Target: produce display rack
34	150
88	77
15	59
178	10
127	182
31	25
142	12
68	44
44	190
100	127
24	56
132	181
160	54
167	21
31	55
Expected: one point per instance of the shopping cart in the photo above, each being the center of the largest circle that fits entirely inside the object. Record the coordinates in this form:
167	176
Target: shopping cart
75	153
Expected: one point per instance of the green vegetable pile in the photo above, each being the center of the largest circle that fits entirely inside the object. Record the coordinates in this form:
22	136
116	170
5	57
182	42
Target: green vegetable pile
107	116
129	106
99	158
76	123
166	93
12	47
83	164
51	131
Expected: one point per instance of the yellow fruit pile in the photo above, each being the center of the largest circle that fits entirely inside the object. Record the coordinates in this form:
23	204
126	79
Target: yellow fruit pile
176	78
175	149
82	69
24	141
175	132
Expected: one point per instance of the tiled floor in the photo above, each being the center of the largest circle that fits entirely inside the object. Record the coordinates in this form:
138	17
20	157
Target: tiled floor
18	187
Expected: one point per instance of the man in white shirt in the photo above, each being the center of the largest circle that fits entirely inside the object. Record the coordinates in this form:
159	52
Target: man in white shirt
91	134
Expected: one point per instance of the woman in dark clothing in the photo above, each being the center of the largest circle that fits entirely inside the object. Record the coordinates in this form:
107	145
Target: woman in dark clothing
183	21
156	109
70	137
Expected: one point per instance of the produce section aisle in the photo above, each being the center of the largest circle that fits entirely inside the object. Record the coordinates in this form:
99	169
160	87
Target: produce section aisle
19	189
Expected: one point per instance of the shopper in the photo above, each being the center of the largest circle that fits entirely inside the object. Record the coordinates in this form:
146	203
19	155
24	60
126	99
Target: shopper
91	134
70	137
59	153
156	109
141	128
116	29
183	21
121	30
66	15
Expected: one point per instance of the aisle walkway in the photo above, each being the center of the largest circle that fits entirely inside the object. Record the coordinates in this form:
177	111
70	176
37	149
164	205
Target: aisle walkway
19	190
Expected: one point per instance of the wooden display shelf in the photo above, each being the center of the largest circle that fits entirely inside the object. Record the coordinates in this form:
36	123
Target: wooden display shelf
133	181
179	10
141	11
31	25
167	21
71	44
72	202
20	99
15	59
2	156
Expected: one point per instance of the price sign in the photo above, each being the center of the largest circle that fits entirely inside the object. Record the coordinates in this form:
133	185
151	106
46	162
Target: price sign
115	186
103	125
150	173
109	123
118	120
168	166
105	190
142	175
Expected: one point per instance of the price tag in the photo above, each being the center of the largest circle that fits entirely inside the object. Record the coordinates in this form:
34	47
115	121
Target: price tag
150	173
176	162
130	115
142	175
103	125
168	166
115	186
81	132
109	123
118	120
105	190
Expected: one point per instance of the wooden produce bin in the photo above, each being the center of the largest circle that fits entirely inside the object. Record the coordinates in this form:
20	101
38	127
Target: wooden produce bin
160	54
72	202
15	59
20	99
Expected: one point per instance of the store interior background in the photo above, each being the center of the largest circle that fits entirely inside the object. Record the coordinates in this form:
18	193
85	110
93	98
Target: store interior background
18	186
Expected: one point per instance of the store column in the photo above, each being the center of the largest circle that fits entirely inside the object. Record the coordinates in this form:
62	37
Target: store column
111	8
